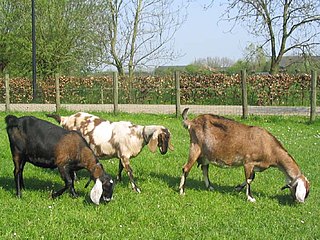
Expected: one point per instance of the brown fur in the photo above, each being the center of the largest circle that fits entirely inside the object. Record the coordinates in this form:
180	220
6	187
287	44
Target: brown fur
225	142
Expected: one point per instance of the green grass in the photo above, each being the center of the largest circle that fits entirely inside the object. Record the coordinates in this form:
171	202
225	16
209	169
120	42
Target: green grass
159	212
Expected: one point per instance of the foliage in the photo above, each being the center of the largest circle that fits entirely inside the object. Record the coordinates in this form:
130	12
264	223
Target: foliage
213	89
237	67
198	69
159	212
214	63
64	37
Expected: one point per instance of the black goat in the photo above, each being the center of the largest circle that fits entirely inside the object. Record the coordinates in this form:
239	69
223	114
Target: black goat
46	145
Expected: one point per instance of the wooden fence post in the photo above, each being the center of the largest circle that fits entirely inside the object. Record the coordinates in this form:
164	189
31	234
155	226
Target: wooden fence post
7	86
101	95
115	93
58	104
177	83
244	94
313	99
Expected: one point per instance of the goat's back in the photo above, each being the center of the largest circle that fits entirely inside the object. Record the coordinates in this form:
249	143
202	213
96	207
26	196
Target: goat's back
231	142
34	138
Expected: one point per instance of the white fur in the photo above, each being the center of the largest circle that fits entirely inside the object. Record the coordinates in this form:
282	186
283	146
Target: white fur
122	139
96	192
301	190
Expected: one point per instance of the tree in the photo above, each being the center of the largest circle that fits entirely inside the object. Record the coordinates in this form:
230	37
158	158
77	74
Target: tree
283	25
137	33
12	18
63	36
214	62
255	58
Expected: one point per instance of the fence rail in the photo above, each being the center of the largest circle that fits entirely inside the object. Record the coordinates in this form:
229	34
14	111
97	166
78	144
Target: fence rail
112	100
164	109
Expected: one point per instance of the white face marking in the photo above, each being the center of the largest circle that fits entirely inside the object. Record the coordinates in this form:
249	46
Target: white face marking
301	190
96	192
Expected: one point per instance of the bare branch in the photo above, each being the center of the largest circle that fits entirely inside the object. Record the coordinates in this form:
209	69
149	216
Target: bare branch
282	25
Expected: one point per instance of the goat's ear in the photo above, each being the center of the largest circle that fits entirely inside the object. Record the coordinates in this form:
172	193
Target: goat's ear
96	192
170	144
153	143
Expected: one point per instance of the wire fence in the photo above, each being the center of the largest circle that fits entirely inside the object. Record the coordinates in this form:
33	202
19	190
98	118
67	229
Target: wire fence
145	93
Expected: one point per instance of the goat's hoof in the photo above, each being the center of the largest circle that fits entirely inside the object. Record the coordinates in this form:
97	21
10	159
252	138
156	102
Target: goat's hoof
74	195
136	189
182	193
54	195
251	199
119	179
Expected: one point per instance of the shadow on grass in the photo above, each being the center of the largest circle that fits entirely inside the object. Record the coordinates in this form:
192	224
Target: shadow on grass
284	199
173	183
36	184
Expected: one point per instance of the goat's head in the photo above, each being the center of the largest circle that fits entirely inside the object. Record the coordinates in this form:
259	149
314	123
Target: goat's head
102	189
299	188
161	138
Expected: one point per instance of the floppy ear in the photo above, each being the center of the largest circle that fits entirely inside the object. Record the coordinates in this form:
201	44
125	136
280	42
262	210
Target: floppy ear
153	143
170	144
96	192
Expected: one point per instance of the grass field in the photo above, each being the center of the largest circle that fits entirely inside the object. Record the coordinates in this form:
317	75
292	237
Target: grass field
159	212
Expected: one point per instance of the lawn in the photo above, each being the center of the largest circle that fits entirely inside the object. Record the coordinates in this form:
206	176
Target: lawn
159	212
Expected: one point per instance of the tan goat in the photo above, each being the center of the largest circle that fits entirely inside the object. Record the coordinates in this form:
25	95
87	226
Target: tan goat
227	143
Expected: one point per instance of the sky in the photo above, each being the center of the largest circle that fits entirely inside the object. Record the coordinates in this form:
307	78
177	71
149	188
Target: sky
201	36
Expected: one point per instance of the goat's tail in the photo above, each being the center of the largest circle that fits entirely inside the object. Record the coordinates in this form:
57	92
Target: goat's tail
11	121
185	121
55	116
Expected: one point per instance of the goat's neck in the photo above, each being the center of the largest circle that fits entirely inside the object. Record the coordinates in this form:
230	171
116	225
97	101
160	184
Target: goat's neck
148	131
96	170
289	166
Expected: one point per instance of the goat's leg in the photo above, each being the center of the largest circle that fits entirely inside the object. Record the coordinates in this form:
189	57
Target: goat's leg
126	166
242	185
119	178
17	172
21	174
67	181
194	154
249	174
205	170
73	175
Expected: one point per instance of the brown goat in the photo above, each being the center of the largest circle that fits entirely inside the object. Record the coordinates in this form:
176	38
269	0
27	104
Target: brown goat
226	143
48	146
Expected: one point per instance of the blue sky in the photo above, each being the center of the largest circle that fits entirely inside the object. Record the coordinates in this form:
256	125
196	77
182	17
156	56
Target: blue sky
202	36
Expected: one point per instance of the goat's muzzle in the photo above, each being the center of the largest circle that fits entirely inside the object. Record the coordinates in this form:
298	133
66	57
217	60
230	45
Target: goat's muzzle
108	186
299	188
